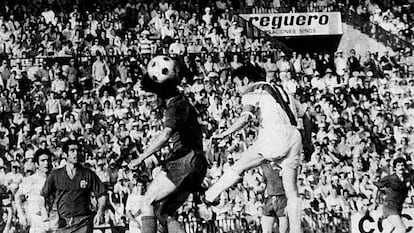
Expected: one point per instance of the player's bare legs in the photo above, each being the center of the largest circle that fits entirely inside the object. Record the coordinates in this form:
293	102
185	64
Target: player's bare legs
289	174
248	159
159	188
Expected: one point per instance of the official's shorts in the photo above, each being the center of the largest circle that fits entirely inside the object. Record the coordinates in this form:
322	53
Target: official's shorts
275	206
79	224
187	173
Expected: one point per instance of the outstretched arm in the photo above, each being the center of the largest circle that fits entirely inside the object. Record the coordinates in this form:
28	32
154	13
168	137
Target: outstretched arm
240	123
154	147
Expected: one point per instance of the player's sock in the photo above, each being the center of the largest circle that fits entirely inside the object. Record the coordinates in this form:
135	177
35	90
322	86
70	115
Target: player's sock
228	179
294	212
149	224
174	226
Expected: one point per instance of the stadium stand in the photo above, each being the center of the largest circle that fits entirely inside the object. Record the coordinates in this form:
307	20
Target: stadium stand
72	70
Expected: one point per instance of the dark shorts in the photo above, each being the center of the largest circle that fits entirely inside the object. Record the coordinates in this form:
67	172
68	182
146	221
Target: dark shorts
80	224
275	206
187	173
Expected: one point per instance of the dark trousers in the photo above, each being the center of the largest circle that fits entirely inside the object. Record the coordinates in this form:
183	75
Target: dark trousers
78	224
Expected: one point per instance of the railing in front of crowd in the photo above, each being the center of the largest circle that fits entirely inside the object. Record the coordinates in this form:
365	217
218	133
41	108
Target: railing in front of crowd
312	222
231	225
375	30
50	60
297	9
326	221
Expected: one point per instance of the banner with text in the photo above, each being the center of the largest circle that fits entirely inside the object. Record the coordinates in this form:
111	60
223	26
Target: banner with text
374	223
297	24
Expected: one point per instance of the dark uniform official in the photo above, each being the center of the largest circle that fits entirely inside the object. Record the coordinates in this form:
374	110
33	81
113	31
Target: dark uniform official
396	187
71	188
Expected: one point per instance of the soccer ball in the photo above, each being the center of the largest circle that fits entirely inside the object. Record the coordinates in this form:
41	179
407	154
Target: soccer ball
161	68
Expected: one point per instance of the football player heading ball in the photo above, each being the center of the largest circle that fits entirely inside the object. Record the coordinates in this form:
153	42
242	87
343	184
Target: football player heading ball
185	166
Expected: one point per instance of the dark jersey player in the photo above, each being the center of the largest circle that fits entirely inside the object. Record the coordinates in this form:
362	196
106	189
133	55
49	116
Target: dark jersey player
396	187
71	187
275	202
185	166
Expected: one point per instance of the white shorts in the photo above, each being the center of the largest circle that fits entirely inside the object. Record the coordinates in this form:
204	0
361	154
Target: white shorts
281	145
37	225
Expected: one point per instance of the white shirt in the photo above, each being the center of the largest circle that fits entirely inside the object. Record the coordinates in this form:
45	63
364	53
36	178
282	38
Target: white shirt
49	16
31	187
269	112
340	64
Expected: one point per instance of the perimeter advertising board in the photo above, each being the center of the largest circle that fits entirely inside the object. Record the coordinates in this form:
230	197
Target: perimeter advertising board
297	24
374	223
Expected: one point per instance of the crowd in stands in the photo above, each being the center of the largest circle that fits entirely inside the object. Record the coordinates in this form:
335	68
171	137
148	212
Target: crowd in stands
76	75
394	17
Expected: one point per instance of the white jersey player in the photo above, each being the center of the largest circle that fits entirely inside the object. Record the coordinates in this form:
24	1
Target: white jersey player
278	141
33	213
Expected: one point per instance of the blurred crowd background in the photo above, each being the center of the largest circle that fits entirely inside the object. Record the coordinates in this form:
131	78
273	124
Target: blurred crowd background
72	70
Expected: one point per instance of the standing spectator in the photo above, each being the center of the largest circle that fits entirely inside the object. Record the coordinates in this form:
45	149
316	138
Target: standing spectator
353	62
72	72
235	32
53	107
59	85
100	71
5	72
340	63
168	30
207	17
283	66
271	69
73	185
387	63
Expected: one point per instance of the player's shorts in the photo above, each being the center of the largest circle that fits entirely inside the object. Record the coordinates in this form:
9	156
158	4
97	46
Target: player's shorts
187	173
275	206
282	144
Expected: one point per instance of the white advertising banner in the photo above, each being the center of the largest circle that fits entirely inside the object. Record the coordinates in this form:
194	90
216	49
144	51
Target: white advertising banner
297	24
374	223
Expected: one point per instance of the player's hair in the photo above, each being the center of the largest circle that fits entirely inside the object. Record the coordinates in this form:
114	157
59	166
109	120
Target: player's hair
399	160
40	152
68	143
